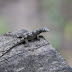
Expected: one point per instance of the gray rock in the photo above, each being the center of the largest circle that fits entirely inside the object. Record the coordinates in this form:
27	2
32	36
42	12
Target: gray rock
40	56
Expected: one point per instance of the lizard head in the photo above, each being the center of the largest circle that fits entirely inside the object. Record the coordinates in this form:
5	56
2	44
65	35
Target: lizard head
45	29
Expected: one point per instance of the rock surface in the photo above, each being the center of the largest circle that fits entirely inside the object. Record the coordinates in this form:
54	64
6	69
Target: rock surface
40	56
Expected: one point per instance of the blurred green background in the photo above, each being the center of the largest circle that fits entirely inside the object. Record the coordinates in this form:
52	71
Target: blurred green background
33	14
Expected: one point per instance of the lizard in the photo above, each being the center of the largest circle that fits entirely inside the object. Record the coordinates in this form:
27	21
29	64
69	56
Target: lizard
22	35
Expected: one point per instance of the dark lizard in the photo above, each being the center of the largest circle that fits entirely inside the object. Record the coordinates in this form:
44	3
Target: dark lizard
22	35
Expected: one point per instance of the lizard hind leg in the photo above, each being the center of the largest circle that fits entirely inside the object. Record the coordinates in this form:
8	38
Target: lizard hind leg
26	43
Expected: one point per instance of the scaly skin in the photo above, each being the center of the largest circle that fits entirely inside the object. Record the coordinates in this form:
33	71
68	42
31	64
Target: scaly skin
34	34
24	35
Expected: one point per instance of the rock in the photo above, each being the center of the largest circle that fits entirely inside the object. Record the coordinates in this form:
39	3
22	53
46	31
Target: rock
40	56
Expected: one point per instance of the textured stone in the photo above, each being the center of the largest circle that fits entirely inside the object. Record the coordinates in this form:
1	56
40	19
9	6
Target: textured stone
40	56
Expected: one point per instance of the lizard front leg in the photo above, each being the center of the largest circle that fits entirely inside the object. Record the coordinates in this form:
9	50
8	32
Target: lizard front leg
37	37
